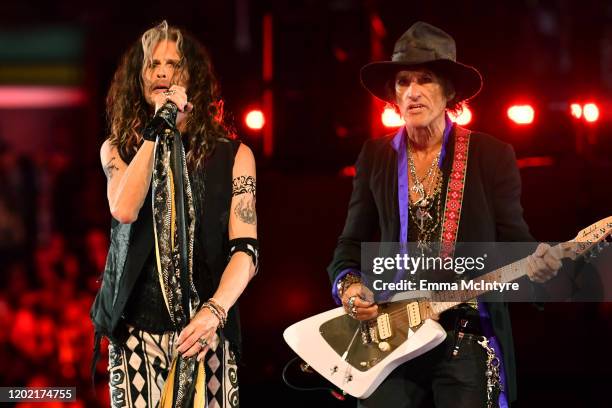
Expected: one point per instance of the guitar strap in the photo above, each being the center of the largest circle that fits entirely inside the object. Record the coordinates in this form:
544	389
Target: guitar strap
450	226
454	193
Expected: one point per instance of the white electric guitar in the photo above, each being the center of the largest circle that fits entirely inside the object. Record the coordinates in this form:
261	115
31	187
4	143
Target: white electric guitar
356	357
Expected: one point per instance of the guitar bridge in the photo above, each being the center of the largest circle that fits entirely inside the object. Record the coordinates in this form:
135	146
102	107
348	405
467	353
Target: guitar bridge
384	326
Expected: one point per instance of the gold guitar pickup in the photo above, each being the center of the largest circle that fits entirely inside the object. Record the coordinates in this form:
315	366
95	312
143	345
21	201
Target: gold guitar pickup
384	326
414	315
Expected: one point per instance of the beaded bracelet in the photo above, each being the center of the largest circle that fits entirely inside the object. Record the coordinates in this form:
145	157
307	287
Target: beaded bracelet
216	313
217	310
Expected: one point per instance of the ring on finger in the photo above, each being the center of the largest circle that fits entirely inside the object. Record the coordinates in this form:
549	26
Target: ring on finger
351	302
353	312
169	92
203	342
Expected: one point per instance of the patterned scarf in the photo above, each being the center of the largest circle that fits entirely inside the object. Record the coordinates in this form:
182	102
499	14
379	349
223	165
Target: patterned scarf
174	227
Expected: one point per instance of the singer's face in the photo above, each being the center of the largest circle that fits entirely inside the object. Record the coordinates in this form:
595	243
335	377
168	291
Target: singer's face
163	71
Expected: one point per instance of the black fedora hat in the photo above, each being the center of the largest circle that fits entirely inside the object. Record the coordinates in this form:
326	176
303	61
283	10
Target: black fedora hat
423	45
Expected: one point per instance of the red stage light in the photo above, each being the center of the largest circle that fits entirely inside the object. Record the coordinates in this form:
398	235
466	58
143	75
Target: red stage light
463	118
348	171
391	119
521	114
255	119
591	112
576	110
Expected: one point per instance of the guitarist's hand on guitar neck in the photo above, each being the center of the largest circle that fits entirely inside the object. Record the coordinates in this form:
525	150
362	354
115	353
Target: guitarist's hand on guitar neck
364	306
544	263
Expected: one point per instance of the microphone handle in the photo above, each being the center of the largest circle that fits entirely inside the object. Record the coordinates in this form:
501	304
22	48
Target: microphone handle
168	112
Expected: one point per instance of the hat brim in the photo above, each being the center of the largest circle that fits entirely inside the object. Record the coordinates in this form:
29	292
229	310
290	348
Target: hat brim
375	77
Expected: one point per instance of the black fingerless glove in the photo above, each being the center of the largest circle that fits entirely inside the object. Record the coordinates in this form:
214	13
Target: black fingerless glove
164	119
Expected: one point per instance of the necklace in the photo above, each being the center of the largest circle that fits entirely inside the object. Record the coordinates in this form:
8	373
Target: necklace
421	210
426	219
419	185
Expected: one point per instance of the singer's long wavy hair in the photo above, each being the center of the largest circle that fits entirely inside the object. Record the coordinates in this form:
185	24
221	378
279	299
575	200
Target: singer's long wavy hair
128	111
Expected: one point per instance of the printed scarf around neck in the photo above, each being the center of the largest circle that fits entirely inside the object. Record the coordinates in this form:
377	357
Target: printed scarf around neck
174	228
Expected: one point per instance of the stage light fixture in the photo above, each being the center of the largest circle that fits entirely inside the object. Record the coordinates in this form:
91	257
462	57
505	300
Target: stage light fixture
590	112
391	119
463	118
521	114
255	119
576	110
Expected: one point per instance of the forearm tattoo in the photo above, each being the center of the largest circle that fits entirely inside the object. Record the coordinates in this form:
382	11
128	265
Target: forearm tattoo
110	168
245	210
243	184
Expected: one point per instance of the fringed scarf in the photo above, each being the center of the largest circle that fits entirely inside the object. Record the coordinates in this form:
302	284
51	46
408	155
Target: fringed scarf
174	228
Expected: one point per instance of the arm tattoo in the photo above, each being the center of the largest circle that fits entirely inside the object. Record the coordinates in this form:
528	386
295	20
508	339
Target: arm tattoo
245	210
243	184
110	168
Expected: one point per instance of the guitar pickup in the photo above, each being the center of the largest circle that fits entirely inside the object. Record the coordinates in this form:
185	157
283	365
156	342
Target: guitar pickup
384	326
414	314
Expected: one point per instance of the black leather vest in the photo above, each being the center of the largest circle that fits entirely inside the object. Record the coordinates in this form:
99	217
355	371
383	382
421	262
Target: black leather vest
131	245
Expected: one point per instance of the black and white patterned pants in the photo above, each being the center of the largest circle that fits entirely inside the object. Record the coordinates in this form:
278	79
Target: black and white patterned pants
138	370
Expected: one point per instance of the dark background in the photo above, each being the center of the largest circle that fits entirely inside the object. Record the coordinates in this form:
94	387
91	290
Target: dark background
54	215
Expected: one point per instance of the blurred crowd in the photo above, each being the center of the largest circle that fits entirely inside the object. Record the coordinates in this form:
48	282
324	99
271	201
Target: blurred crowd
52	254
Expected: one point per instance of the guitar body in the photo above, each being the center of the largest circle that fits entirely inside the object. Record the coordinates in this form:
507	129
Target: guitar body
356	357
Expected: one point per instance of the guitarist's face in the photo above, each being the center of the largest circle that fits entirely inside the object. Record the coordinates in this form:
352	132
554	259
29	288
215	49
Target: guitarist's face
420	98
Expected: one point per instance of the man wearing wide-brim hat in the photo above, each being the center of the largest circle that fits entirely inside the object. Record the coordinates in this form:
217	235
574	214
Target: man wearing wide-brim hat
434	181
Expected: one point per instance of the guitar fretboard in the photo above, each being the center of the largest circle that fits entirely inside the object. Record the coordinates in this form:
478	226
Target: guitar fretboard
444	300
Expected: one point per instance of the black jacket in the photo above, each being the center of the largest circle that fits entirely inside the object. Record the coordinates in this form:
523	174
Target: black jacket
491	212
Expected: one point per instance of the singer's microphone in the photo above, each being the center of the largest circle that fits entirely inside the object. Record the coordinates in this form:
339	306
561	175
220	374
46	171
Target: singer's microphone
168	113
165	118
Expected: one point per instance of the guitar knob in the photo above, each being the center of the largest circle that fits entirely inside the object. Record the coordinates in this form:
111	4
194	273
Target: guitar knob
384	346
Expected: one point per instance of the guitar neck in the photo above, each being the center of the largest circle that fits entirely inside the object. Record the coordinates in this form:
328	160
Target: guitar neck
444	300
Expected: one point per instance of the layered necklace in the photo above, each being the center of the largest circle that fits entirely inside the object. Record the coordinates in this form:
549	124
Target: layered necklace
424	209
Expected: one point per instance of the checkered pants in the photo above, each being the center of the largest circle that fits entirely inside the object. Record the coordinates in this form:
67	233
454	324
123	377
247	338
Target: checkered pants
138	370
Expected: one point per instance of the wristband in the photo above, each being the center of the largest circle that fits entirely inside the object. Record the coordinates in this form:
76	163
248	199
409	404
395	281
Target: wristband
344	283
